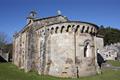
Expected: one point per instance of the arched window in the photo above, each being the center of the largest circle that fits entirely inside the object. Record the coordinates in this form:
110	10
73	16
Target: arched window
77	28
87	48
87	29
82	29
68	27
62	29
91	31
52	29
56	30
48	29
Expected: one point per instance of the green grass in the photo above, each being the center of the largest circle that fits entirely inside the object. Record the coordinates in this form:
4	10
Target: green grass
114	63
10	72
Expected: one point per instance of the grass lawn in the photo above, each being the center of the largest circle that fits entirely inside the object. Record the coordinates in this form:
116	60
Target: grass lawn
114	63
10	72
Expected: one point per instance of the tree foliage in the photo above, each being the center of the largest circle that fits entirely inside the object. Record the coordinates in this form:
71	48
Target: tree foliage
4	45
111	35
3	40
8	49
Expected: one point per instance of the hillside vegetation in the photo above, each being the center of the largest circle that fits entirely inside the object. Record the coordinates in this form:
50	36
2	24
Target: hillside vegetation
111	35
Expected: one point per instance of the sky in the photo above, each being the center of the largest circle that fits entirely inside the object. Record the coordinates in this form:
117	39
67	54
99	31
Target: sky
13	13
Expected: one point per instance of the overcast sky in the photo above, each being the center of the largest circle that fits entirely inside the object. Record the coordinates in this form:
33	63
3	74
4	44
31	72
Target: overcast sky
13	13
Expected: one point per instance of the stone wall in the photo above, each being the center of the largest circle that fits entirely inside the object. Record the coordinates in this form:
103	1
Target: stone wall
64	49
16	53
111	52
62	54
85	60
61	50
99	43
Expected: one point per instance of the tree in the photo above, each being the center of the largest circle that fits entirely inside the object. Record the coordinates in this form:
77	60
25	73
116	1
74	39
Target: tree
3	40
8	49
5	46
111	35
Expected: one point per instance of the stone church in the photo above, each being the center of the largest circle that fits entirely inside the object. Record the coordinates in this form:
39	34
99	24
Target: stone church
57	46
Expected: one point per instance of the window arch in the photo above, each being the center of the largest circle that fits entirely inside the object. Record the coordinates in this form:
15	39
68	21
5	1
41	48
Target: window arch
91	31
87	29
52	29
68	27
48	29
77	28
82	29
62	29
56	30
87	48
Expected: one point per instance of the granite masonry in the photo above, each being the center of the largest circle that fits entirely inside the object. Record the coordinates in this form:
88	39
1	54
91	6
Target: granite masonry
57	46
111	52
